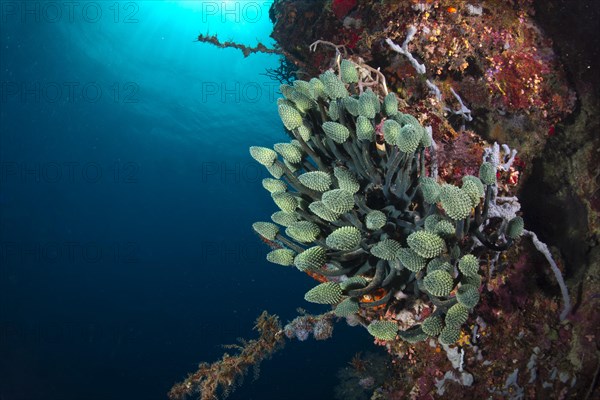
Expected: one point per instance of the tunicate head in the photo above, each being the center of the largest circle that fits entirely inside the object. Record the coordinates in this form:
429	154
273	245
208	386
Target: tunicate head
333	87
383	330
290	117
456	203
375	220
426	244
282	257
266	230
487	173
515	227
263	155
348	71
390	105
312	258
438	283
325	293
344	238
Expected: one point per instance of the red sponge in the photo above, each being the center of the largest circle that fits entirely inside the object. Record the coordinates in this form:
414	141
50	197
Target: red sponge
342	7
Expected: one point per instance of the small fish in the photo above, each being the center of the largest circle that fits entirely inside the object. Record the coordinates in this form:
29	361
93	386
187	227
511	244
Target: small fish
451	10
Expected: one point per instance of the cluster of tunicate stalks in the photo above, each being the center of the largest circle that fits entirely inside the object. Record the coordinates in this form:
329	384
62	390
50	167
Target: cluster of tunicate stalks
361	211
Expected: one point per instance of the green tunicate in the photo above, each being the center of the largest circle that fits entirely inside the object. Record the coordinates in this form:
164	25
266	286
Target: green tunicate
318	88
325	293
455	252
266	230
286	90
364	129
449	335
321	211
375	100
301	102
457	315
311	259
303	231
474	280
333	87
275	170
431	221
487	173
282	257
439	264
274	185
413	334
346	180
390	105
411	260
432	325
426	138
387	249
369	94
353	283
304	132
316	180
366	106
468	295
438	283
455	202
348	71
468	265
391	132
472	190
515	227
290	117
336	132
263	155
444	228
289	152
383	330
291	167
333	111
351	104
344	238
346	308
284	218
407	119
305	88
477	182
285	102
338	200
409	138
285	201
430	189
426	244
375	220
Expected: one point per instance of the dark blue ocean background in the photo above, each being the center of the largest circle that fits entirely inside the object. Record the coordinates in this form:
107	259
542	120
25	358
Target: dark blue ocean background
127	197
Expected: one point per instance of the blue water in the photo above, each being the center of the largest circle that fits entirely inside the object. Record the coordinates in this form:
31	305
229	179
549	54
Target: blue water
126	199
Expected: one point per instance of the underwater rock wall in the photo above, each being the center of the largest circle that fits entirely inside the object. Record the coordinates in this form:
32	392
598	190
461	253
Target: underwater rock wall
525	81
